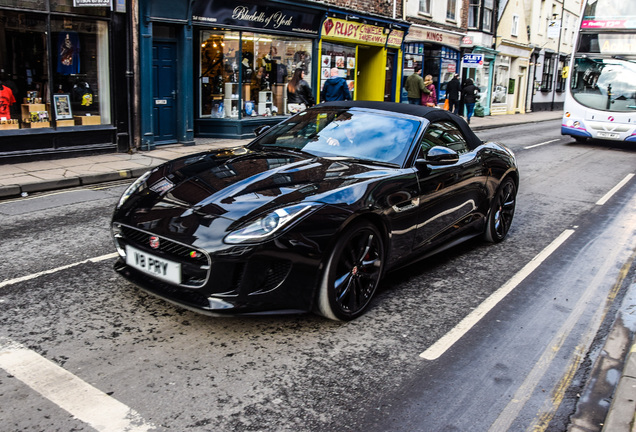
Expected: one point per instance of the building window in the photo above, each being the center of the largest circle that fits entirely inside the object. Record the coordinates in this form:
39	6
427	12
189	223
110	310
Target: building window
246	74
425	6
548	73
473	13
451	7
514	30
487	20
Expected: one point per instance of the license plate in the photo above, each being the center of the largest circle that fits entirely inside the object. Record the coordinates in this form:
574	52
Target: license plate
608	135
160	268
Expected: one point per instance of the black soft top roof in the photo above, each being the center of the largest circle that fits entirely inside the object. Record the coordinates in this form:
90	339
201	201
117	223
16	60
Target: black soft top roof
429	113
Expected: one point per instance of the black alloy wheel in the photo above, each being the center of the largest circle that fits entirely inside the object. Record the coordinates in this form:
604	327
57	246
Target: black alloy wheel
352	274
502	211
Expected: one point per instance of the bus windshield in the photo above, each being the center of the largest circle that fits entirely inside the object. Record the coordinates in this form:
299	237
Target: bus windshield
609	10
604	83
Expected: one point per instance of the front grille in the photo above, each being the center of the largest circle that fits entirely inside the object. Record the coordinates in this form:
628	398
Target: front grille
195	270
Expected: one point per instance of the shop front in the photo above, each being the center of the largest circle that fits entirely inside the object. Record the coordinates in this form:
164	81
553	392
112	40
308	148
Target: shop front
510	79
436	51
478	64
58	75
218	69
247	53
366	51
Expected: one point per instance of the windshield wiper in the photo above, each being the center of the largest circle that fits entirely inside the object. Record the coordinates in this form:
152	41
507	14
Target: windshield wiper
362	161
619	57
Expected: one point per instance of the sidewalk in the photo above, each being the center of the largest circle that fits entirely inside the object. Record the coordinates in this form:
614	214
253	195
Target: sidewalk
25	178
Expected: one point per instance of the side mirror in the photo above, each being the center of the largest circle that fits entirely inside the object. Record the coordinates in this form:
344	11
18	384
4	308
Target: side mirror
261	130
439	155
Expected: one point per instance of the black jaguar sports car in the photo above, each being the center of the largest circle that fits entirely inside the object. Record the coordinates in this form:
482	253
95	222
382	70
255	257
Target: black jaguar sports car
314	211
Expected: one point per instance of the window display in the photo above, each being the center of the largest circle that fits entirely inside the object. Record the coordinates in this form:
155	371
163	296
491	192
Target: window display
81	70
79	62
342	57
246	74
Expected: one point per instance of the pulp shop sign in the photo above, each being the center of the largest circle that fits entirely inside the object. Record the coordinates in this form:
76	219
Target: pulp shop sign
473	60
349	31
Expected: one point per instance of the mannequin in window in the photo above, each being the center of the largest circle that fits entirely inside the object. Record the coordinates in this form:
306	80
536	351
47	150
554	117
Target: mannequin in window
7	99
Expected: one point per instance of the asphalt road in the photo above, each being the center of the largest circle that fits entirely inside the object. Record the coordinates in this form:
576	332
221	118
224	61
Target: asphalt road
483	337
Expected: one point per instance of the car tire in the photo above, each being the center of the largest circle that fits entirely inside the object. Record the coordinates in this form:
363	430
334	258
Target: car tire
352	273
502	211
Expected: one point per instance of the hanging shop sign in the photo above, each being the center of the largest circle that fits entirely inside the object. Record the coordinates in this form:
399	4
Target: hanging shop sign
98	3
473	60
428	34
258	15
356	32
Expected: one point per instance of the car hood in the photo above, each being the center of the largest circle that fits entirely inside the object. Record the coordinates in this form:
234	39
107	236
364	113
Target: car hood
240	184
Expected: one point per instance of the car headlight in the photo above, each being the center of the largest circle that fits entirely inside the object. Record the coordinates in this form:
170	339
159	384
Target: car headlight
267	226
133	188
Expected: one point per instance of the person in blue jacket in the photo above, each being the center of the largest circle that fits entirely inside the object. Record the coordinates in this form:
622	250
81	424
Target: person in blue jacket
335	88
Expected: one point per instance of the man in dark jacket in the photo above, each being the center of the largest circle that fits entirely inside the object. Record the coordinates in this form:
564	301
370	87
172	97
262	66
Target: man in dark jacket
452	94
335	88
414	86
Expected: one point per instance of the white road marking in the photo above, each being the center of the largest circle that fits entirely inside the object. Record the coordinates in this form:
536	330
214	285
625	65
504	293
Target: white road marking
55	270
449	339
70	393
614	189
541	144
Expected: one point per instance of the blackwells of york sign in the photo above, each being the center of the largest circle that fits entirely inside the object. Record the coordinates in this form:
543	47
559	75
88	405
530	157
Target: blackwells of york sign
255	14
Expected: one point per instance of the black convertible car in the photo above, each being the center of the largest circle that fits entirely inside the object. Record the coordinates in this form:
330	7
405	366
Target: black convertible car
313	212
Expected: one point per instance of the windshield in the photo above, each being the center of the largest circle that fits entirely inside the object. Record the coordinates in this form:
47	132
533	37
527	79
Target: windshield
605	84
622	12
357	133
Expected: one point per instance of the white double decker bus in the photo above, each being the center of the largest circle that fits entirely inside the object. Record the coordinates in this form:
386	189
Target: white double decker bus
600	99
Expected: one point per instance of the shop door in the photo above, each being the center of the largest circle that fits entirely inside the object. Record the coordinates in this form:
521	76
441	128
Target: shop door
371	73
389	83
164	92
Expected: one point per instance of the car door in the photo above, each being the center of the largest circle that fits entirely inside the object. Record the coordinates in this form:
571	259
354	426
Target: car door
452	195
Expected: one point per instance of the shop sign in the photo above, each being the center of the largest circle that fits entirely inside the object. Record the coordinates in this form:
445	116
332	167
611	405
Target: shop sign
473	60
257	14
440	37
351	31
467	40
85	3
554	29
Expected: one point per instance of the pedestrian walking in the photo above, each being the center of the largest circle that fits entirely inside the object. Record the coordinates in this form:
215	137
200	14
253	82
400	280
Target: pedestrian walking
335	88
429	99
414	86
470	94
452	94
299	96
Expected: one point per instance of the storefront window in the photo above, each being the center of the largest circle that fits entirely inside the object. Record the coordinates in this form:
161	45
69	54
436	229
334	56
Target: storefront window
342	57
502	76
262	63
25	4
480	77
24	94
80	72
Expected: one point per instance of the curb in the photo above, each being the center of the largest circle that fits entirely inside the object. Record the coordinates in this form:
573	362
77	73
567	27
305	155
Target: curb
9	191
621	416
